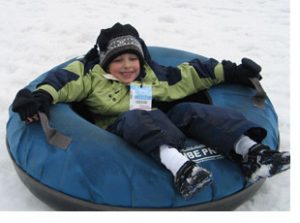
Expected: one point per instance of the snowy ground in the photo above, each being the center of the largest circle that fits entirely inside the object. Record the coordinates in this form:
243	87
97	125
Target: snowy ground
38	34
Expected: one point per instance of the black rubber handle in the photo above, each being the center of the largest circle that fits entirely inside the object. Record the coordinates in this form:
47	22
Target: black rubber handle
54	137
261	95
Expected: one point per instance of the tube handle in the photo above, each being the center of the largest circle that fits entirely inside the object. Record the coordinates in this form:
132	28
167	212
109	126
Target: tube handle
54	137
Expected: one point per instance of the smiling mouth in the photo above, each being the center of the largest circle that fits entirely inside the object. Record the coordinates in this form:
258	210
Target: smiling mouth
126	74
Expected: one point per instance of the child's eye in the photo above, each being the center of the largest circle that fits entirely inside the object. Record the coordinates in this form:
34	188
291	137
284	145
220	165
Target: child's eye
133	58
117	60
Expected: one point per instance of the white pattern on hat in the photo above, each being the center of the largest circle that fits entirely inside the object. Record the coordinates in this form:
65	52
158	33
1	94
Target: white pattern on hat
119	44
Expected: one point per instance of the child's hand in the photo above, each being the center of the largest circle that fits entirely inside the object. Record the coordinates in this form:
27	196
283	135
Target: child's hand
28	103
240	74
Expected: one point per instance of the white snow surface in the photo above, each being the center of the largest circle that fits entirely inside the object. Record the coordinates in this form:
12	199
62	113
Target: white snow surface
36	35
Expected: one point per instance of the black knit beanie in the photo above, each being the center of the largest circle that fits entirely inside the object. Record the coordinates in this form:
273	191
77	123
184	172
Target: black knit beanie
117	40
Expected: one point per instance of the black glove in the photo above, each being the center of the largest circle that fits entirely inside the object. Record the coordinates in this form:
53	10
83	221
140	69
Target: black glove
28	103
240	74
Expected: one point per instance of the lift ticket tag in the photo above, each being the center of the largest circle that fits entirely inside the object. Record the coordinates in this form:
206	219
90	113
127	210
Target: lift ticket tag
140	97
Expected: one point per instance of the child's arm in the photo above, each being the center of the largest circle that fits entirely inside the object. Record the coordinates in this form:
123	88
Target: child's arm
195	75
67	84
187	78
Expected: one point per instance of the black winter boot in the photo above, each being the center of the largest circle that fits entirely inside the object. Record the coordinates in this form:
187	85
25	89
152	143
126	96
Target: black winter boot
262	162
191	178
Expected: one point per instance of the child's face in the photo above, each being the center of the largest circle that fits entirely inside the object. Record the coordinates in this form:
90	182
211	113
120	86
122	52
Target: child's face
125	67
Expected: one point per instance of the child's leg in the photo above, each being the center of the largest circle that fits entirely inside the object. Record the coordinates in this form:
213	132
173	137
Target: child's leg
214	126
153	133
147	130
228	130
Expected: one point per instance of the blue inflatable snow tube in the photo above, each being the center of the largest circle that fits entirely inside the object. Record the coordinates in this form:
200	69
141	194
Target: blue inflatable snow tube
100	171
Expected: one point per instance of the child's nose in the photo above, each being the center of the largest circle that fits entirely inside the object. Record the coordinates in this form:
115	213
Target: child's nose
127	63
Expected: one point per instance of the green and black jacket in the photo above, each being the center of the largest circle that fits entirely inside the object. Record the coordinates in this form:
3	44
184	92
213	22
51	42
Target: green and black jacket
106	98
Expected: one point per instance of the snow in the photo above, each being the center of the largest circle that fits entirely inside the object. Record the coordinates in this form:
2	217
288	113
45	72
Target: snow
38	34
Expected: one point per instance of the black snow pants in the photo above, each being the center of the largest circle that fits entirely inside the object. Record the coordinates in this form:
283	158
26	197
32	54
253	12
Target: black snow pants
213	126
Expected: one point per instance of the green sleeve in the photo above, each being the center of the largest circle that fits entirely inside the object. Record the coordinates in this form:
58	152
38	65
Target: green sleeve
67	84
196	81
188	81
